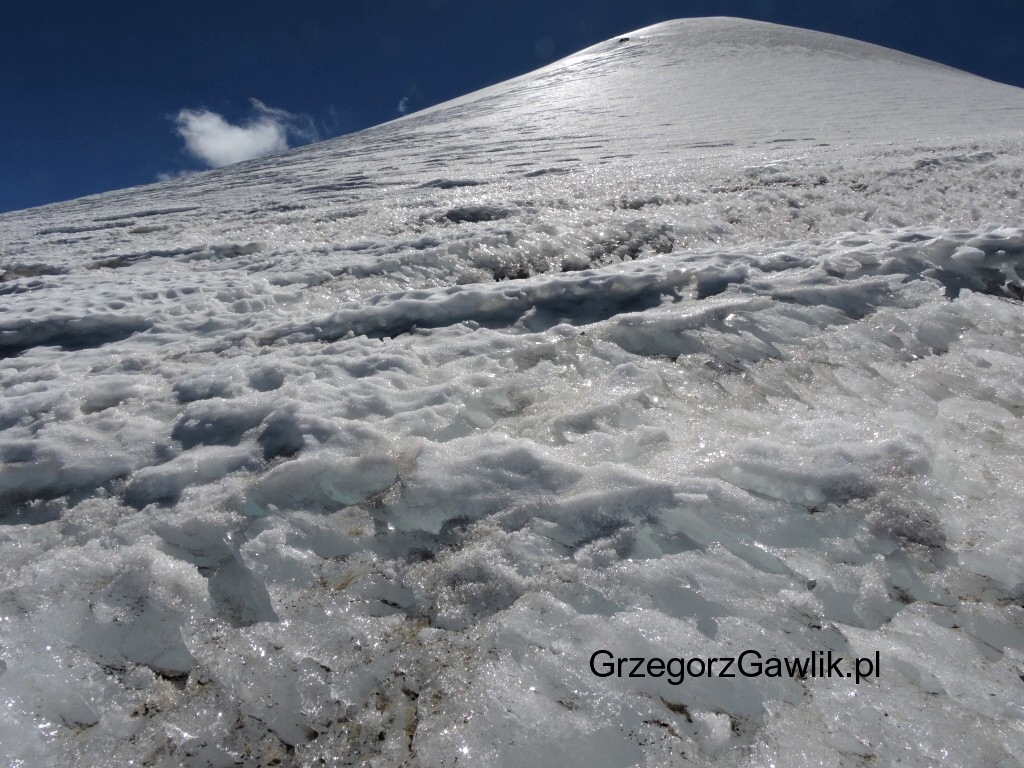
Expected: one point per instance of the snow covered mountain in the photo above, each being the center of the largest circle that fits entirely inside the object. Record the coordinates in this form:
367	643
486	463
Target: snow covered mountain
704	341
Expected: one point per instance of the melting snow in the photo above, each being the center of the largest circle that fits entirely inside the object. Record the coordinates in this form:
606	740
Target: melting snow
704	340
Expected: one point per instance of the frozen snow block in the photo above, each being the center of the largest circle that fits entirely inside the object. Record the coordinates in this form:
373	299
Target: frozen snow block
139	615
52	693
218	421
469	478
27	472
200	540
322	482
203	387
716	279
239	597
282	434
65	464
69	333
450	183
476	213
904	518
266	379
835	473
588	516
165	483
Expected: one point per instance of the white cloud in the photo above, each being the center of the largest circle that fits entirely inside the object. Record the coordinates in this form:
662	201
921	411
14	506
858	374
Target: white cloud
403	105
170	175
215	141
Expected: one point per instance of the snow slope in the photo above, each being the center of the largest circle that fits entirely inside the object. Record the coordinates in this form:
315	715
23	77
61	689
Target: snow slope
703	340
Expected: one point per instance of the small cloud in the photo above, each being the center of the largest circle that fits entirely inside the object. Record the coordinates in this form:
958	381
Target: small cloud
215	141
169	175
403	103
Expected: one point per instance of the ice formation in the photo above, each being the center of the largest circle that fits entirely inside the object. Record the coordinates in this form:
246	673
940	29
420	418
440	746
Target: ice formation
705	340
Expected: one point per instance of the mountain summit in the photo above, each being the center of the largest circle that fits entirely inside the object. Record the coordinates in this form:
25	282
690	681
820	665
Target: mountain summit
486	436
684	84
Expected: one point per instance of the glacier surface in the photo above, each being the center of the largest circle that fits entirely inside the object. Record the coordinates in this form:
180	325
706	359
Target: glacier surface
706	339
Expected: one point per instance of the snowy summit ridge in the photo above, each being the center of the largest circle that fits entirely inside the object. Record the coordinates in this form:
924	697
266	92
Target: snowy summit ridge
702	342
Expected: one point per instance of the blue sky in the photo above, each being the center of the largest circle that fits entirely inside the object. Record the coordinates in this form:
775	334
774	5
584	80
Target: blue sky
99	96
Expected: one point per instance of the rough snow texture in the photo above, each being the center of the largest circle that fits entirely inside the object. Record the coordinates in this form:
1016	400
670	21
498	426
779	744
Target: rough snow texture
705	339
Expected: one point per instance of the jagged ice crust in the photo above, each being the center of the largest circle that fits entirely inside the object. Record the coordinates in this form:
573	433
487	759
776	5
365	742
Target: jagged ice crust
705	339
